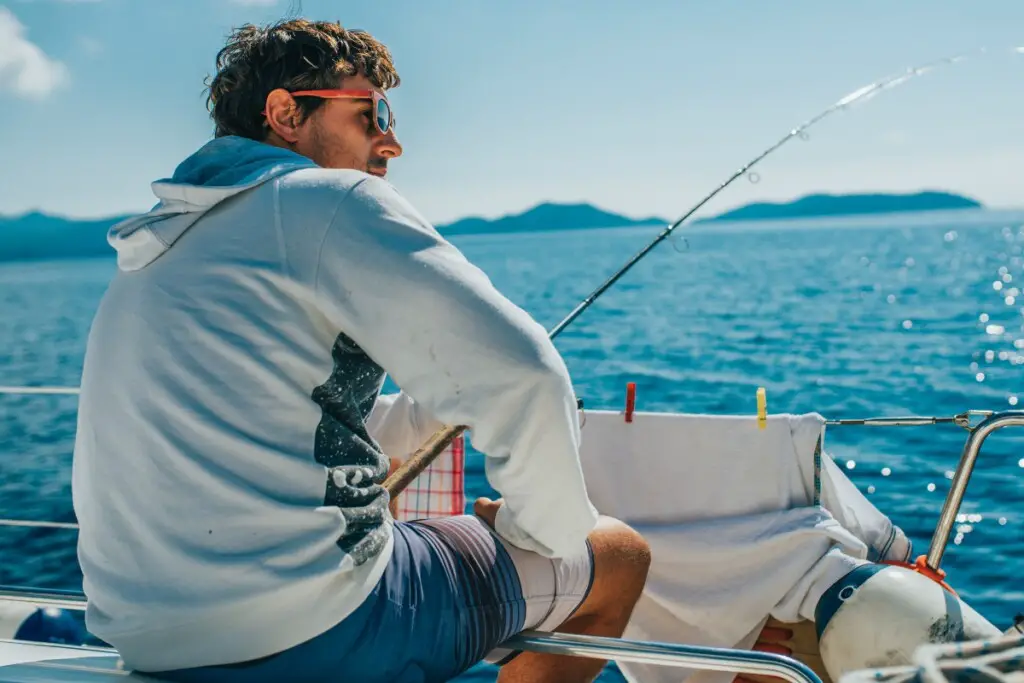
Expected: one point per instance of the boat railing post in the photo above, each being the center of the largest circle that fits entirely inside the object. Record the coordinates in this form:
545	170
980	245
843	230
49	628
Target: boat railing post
962	476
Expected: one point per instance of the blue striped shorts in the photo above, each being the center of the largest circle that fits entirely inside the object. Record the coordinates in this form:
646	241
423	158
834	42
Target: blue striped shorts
451	594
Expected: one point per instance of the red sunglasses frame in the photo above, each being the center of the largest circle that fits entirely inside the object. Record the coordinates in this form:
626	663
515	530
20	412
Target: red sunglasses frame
335	94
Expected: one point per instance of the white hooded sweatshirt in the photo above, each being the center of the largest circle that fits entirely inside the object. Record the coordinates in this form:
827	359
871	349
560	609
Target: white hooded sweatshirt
225	479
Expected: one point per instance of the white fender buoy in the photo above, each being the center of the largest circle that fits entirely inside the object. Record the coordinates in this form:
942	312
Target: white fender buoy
878	615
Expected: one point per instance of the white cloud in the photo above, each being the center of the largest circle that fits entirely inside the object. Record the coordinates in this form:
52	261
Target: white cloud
24	68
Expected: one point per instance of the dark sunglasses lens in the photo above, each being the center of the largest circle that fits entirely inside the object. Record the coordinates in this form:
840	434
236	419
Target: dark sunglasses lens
383	116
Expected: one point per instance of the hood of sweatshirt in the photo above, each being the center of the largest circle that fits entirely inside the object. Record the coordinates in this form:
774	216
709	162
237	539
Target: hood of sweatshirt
221	169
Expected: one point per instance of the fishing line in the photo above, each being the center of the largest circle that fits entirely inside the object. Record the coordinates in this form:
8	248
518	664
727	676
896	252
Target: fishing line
856	97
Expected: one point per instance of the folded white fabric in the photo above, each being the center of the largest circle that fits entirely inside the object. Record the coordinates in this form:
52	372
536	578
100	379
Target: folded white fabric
736	524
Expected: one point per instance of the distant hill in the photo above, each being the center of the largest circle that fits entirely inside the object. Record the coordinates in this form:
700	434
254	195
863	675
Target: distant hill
40	236
846	205
547	216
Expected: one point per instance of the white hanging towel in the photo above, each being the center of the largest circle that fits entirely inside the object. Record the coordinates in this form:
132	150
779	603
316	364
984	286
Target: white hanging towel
737	528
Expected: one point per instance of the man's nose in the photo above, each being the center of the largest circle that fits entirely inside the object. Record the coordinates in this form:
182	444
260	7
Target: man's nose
390	147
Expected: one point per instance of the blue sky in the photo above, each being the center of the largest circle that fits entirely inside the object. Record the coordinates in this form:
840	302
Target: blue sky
640	107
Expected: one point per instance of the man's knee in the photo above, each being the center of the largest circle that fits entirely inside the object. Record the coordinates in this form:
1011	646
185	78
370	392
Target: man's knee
621	555
621	560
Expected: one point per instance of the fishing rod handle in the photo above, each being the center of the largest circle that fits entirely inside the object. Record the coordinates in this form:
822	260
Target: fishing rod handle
421	459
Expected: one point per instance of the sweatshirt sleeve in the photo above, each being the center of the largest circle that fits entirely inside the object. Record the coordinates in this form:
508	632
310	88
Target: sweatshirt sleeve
465	354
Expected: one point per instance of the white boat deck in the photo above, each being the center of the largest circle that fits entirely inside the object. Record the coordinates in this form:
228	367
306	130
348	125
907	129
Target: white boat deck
22	662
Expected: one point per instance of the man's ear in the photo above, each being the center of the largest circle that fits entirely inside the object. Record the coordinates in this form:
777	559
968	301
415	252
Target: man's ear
282	115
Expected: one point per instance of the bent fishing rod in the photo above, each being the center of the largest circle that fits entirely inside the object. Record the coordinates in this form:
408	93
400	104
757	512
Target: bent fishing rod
440	440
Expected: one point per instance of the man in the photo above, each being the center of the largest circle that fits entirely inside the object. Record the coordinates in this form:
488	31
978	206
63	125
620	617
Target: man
232	442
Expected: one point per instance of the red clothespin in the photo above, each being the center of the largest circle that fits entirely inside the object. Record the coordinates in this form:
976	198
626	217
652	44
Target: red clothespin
630	400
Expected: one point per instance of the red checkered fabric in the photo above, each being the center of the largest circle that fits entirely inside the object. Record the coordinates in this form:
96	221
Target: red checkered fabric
439	491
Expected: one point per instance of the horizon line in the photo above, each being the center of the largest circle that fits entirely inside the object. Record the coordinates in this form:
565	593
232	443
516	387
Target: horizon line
583	202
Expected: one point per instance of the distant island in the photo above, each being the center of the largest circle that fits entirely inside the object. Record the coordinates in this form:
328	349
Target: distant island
35	236
547	216
819	205
41	236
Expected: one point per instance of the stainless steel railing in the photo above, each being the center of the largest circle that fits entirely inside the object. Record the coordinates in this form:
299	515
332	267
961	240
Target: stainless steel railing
962	476
687	656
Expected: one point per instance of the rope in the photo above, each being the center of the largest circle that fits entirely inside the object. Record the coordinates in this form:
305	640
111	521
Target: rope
39	390
817	472
42	525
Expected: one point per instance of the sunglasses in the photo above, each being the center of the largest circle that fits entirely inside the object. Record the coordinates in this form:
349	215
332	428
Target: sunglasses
382	116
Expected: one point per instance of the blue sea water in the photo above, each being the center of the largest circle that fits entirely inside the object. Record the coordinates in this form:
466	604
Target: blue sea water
920	314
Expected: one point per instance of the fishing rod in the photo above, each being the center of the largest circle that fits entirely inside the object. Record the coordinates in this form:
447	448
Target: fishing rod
441	439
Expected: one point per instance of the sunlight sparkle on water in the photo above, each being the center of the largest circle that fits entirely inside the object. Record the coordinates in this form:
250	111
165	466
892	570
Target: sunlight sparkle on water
886	471
931	487
971	518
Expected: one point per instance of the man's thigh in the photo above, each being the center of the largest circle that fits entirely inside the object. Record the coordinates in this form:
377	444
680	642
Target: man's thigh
487	588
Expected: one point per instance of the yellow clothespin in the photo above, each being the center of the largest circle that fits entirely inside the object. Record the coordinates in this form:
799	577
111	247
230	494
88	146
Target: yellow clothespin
762	408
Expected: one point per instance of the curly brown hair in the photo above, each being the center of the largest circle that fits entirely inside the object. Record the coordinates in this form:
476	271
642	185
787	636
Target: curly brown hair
295	54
